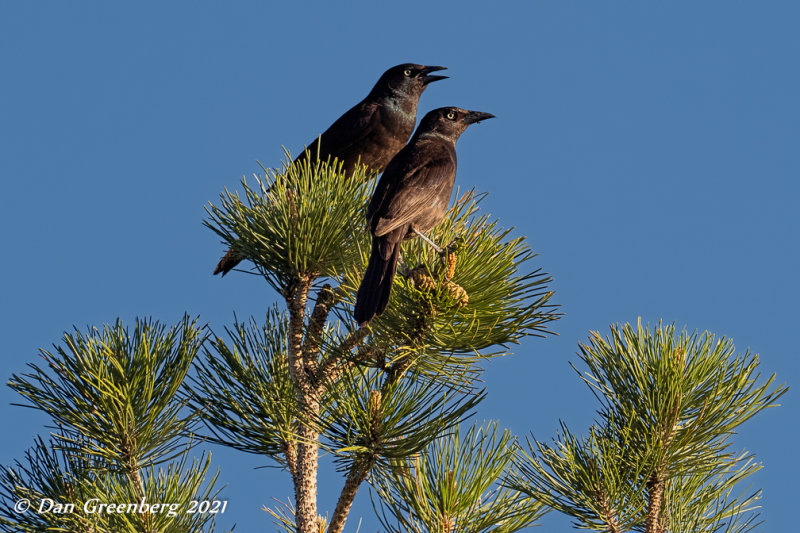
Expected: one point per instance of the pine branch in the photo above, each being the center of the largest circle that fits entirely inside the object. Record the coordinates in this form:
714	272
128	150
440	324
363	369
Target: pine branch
307	225
332	366
326	298
113	394
305	486
305	478
655	502
660	460
455	484
358	473
607	512
243	392
360	468
290	454
296	302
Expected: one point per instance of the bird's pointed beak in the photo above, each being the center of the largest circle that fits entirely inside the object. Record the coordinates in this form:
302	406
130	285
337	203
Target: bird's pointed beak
476	116
426	79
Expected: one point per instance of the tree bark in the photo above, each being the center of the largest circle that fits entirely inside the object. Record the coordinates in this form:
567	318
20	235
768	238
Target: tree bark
655	502
608	514
305	487
332	366
305	479
356	476
326	298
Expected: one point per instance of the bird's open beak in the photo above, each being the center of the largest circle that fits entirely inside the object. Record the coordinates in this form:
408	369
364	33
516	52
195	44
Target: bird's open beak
426	79
476	116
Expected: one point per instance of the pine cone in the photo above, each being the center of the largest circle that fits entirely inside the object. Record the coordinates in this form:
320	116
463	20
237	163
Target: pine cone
457	293
375	402
450	266
422	280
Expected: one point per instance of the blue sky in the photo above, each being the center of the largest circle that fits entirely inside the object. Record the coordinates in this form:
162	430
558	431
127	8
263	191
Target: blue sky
649	152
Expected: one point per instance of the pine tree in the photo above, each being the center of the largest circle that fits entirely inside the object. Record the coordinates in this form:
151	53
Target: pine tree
119	436
388	400
660	457
374	396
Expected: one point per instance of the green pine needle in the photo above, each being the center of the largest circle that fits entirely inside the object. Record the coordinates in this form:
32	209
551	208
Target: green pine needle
455	486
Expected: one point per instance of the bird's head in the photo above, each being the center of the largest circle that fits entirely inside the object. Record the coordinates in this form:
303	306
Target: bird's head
449	122
407	79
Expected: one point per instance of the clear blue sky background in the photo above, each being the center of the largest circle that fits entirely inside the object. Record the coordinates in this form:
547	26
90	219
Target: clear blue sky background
649	151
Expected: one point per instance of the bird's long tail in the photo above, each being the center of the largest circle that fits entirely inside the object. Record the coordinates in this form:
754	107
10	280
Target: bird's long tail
373	294
226	264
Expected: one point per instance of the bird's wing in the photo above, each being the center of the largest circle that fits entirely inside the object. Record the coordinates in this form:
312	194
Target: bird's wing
413	194
347	134
391	174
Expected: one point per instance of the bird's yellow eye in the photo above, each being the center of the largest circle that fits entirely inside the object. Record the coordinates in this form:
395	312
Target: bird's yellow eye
451	115
407	72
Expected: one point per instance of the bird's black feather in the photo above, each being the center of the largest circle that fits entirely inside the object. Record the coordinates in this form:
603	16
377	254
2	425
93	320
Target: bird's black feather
372	131
412	194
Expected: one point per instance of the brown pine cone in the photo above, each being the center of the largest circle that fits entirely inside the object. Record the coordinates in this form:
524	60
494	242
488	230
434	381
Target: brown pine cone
422	280
450	266
457	293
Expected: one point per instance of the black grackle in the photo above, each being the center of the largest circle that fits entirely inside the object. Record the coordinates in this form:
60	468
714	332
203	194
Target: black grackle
411	198
372	131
